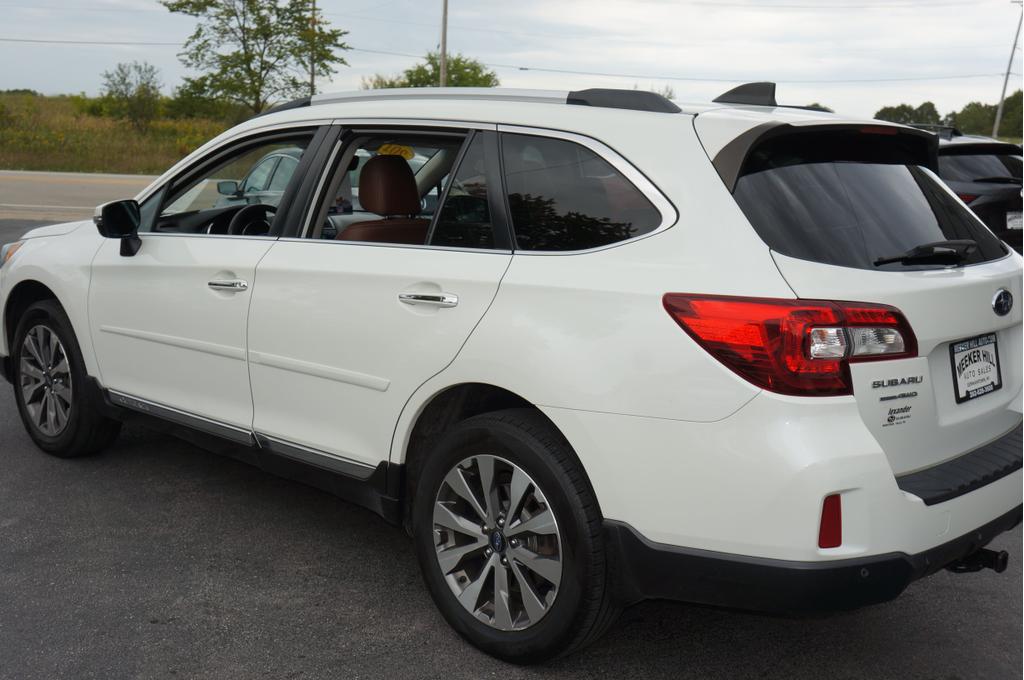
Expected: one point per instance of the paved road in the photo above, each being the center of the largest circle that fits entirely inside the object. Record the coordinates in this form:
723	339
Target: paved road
158	560
61	196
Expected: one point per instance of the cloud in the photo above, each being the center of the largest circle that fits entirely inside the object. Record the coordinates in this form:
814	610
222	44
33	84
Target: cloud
650	42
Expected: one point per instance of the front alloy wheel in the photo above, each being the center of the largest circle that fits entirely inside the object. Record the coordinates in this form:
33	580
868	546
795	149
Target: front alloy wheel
51	386
45	381
497	542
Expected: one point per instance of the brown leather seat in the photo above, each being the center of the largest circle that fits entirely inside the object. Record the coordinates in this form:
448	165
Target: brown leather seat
387	187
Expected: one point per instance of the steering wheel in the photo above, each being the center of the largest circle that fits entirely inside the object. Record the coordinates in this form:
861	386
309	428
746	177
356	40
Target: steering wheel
252	220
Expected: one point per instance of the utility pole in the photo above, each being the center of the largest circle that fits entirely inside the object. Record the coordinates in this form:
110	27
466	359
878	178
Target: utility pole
1006	79
312	47
444	44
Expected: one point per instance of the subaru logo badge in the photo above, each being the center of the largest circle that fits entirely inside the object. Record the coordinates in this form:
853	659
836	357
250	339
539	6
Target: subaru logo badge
1002	303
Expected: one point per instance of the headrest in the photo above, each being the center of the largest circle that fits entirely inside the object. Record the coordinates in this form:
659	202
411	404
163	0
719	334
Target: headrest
387	187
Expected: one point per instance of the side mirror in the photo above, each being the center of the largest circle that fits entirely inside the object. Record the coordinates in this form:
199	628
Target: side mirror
120	219
227	187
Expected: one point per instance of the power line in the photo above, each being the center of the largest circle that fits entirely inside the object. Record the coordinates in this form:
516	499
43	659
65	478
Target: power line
540	69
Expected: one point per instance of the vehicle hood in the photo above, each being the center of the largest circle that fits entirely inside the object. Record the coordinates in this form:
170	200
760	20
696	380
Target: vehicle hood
55	229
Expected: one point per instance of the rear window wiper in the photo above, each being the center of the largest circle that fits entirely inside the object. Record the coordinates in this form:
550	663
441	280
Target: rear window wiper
941	252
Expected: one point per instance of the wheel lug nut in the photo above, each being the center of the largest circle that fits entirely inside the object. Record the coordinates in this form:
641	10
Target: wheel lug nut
488	552
504	561
501	521
514	542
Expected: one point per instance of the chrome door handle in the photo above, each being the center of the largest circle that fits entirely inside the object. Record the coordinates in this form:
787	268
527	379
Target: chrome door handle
436	299
229	285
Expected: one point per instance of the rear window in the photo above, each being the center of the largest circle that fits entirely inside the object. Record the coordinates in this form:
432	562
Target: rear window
843	207
980	167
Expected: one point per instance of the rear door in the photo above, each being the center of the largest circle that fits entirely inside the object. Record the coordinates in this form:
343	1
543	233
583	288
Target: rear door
341	332
830	205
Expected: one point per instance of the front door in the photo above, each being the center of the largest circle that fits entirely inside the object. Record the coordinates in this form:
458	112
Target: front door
169	323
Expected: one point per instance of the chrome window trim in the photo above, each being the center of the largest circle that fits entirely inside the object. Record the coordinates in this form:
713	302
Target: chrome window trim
661	203
408	246
179	234
325	173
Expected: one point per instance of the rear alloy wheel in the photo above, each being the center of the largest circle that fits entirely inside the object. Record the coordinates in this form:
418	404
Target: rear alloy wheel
497	542
50	385
510	538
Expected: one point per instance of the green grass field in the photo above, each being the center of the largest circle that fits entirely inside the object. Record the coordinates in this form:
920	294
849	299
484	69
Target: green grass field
49	133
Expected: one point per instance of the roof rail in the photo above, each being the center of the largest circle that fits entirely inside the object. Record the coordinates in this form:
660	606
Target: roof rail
634	100
454	93
293	104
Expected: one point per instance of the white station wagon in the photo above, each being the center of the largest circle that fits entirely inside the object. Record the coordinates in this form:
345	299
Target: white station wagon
587	347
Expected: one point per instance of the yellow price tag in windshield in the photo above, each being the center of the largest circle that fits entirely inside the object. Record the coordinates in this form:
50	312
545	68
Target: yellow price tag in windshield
405	152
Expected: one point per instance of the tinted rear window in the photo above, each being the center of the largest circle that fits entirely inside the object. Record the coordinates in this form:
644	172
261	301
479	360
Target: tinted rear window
852	212
979	166
563	196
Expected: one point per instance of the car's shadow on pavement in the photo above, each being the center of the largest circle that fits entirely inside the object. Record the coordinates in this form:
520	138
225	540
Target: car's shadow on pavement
158	560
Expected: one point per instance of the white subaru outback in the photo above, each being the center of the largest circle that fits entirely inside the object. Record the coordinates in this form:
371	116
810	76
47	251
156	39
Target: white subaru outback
588	347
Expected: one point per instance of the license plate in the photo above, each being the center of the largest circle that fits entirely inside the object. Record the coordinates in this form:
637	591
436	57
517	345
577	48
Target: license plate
975	364
1013	220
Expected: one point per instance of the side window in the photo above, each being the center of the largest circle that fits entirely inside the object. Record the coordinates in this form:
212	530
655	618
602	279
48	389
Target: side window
563	196
465	219
205	201
383	188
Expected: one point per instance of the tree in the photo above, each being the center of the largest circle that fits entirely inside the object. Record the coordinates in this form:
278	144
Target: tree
815	106
132	91
255	52
974	119
1010	125
906	114
927	113
462	72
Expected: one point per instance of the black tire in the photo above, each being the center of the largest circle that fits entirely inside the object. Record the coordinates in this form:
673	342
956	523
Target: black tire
583	608
87	431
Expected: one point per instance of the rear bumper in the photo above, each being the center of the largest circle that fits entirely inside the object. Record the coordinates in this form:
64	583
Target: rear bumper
648	570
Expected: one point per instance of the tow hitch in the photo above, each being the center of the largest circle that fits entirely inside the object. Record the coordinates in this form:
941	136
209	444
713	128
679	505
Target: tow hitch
981	559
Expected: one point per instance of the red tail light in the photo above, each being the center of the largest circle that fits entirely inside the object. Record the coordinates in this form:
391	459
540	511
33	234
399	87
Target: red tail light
798	347
967	198
830	533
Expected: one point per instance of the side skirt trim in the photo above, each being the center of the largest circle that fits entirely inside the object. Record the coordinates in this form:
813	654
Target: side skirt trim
376	488
230	432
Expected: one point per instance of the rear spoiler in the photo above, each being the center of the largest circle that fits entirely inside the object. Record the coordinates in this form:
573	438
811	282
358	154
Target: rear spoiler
981	148
909	145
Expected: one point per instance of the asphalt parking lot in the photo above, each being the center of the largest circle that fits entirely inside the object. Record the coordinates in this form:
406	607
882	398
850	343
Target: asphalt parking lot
158	560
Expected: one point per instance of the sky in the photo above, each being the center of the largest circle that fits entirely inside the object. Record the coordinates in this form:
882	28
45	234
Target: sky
854	56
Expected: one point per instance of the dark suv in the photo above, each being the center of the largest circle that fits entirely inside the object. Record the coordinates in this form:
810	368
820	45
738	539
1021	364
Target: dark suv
986	174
